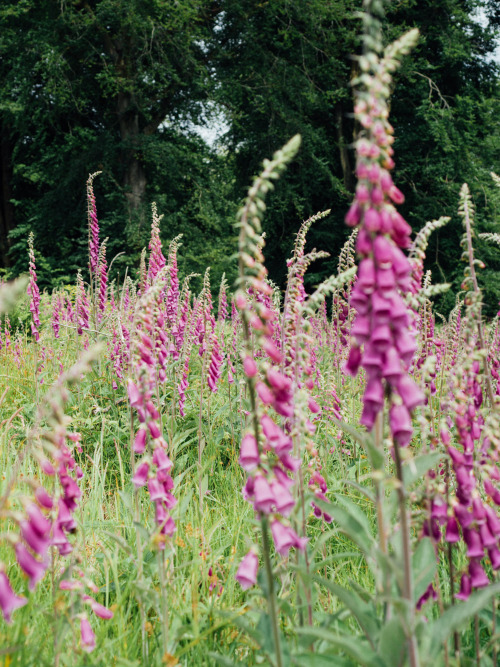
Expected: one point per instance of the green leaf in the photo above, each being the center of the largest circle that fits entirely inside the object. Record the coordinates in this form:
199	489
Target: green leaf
353	522
455	617
417	467
357	512
424	566
319	660
363	612
356	649
392	643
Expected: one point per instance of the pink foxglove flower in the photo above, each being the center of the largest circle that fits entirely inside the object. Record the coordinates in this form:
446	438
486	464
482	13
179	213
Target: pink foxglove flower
9	601
247	570
82	306
103	281
384	343
87	635
156	258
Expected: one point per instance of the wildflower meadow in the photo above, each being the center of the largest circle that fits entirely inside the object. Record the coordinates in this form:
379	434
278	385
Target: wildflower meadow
244	475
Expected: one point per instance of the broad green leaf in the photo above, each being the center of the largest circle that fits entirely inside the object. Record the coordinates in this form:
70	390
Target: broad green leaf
417	467
368	493
456	616
356	649
392	643
363	612
424	566
353	522
375	456
357	512
319	660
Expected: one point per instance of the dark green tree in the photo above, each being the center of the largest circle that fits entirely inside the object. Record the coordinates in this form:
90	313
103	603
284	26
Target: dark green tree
109	85
119	85
285	67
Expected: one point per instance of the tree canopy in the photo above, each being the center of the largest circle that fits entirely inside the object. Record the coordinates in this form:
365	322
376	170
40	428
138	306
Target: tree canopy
121	85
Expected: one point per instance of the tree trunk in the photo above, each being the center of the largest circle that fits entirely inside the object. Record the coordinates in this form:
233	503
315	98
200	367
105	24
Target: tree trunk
134	179
6	208
345	160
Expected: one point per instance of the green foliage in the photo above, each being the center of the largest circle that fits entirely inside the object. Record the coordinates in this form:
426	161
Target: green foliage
119	85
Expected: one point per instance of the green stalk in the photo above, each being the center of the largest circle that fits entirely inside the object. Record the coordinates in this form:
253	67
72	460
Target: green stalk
266	548
408	579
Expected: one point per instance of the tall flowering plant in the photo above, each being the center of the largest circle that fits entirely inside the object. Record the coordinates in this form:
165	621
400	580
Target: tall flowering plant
42	518
93	227
266	448
384	342
33	291
153	468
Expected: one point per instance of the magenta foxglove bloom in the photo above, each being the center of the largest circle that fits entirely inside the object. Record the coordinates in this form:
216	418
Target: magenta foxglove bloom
249	453
400	423
93	224
44	498
161	460
32	567
38	543
249	366
9	601
264	498
478	576
383	342
98	609
141	475
452	532
140	441
494	554
215	366
283	499
247	570
87	635
103	281
285	538
465	588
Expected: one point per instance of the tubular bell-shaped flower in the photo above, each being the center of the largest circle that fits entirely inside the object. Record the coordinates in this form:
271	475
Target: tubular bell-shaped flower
384	344
154	467
266	447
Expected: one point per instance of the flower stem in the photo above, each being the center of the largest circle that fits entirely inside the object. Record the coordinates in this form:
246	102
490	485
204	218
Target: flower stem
408	579
270	589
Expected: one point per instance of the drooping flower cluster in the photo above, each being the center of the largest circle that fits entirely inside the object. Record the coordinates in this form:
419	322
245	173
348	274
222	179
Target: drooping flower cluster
215	366
93	224
156	258
154	465
33	291
45	518
56	313
103	281
266	448
471	516
75	583
384	343
82	306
